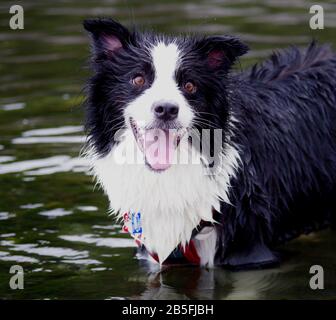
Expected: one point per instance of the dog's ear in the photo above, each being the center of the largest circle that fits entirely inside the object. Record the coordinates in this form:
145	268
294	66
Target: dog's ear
221	51
108	36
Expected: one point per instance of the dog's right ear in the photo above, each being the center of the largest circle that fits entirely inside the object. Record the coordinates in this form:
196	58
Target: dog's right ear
108	36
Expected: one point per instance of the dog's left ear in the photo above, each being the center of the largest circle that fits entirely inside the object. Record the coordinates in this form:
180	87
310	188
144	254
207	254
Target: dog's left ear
221	51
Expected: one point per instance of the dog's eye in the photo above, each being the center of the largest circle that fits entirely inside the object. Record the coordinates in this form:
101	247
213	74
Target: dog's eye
138	81
190	87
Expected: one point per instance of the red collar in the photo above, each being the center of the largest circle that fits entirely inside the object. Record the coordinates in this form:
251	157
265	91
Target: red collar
189	252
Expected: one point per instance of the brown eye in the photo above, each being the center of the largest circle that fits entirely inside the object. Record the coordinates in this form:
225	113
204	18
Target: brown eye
190	87
138	81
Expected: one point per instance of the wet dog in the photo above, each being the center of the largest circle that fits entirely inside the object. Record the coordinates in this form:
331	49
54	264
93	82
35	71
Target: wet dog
263	169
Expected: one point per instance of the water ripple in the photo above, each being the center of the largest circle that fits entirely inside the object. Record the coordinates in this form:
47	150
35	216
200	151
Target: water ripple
13	106
54	213
100	242
52	131
46	166
65	139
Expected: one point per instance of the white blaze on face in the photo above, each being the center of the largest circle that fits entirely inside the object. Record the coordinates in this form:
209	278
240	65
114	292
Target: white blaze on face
160	153
164	89
165	60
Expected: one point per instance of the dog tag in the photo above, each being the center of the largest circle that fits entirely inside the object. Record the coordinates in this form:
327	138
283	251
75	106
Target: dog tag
136	223
132	225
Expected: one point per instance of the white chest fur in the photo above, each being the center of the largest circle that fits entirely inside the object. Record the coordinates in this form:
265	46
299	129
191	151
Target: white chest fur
172	203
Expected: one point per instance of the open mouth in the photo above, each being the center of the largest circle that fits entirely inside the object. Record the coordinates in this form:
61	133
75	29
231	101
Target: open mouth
158	145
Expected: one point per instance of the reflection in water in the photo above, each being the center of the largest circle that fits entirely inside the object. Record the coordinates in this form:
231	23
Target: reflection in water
196	283
53	222
254	284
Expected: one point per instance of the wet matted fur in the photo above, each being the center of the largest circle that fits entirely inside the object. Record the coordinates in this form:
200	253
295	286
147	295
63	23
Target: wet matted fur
278	171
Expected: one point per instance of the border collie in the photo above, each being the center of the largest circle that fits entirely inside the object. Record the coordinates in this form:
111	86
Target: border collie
261	144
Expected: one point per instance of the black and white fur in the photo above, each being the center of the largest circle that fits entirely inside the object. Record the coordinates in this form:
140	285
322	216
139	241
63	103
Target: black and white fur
277	174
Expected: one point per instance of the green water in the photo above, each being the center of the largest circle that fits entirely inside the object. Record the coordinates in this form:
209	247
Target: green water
52	222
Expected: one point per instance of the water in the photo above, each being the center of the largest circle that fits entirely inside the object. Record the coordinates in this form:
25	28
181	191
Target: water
52	221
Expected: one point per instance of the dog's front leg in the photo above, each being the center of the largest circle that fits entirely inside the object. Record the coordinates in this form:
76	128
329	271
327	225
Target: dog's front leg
244	235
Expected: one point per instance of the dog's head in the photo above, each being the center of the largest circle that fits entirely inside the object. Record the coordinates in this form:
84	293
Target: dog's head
153	84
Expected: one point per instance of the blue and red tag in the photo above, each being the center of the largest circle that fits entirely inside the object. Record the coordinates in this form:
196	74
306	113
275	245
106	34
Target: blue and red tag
132	225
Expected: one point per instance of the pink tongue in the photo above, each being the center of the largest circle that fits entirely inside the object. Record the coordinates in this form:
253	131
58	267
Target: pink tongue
159	148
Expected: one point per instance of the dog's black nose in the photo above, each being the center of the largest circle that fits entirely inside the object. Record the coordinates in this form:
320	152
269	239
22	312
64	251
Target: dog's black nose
166	111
